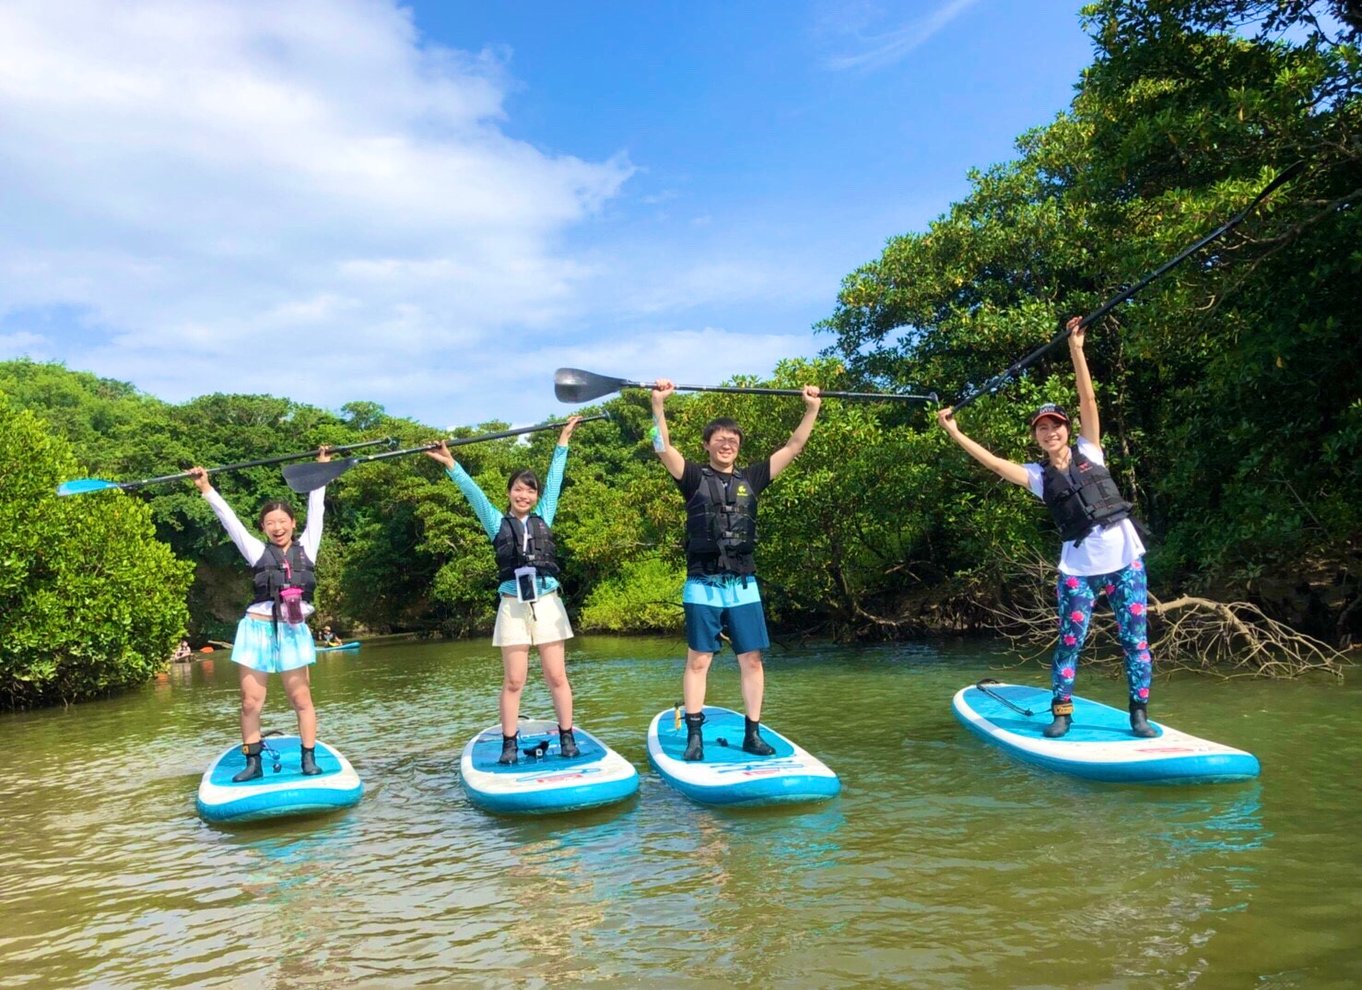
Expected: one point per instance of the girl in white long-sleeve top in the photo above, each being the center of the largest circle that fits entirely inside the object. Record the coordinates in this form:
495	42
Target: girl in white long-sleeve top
273	636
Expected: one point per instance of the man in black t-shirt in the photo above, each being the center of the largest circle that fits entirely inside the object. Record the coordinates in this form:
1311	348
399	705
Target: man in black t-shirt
721	534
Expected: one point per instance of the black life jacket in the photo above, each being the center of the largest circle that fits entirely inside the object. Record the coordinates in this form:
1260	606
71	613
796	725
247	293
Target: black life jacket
277	570
721	526
513	551
1082	497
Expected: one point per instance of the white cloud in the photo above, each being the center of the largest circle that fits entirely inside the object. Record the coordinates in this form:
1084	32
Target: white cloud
225	188
875	49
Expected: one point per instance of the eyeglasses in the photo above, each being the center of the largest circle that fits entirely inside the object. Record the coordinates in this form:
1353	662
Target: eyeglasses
725	441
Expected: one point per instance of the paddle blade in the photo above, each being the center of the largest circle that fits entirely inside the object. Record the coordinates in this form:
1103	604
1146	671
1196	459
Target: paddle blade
576	385
303	478
82	485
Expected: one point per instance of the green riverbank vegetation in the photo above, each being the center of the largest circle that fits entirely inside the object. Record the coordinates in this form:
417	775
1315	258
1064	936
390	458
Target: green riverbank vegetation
1231	392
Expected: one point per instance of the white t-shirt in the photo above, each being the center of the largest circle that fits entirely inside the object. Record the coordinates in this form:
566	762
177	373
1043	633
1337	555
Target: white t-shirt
1103	551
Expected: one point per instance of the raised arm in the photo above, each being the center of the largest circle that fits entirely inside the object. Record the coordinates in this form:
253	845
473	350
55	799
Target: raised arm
1089	421
794	446
482	506
251	548
662	443
1001	466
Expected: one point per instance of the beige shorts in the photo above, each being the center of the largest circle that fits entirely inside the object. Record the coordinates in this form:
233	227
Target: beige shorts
531	623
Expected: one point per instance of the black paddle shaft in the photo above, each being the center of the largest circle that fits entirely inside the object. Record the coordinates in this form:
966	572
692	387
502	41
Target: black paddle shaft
998	381
264	461
307	477
576	385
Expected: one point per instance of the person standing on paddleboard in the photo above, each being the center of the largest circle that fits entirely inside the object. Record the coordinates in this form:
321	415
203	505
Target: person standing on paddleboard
273	637
1102	553
531	611
721	537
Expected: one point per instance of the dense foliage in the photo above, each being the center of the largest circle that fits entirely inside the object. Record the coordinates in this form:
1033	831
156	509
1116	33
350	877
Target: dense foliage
1230	392
1231	399
90	601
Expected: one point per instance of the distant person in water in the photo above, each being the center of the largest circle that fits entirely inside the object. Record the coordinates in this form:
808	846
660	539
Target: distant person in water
328	638
531	612
721	592
1102	552
182	652
273	637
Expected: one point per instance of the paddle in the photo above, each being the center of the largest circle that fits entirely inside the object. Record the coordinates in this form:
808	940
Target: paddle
576	385
998	381
82	485
306	477
998	697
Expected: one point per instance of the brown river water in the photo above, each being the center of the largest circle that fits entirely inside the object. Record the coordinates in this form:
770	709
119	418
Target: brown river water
941	864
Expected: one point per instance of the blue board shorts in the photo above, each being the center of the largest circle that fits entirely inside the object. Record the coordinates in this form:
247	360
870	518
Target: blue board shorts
724	603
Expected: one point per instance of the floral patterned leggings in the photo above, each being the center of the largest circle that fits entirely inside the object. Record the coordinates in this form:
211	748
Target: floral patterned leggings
1128	591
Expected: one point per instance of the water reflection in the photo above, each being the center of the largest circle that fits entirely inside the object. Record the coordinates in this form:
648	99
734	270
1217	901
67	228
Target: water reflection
941	864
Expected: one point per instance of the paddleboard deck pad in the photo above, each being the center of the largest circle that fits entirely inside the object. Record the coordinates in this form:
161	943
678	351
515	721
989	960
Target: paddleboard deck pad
1099	745
277	795
729	776
542	780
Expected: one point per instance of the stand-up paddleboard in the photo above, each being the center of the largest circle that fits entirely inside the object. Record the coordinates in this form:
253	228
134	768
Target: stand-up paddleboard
542	780
727	775
352	645
277	794
1099	745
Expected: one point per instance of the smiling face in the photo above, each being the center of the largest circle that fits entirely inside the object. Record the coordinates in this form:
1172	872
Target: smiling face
1051	433
278	527
523	498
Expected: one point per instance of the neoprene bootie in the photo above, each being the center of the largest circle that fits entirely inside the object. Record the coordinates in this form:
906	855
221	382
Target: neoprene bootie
508	746
695	742
1063	711
309	761
752	742
252	771
567	743
1139	722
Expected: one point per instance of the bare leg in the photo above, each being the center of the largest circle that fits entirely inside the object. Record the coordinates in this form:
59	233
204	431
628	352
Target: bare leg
753	676
253	684
297	684
693	680
515	663
553	662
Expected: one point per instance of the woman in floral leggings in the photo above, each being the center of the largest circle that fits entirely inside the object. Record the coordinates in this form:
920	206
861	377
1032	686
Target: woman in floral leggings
1102	553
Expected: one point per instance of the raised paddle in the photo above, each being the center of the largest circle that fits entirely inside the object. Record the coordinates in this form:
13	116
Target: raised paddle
576	385
999	380
82	485
307	477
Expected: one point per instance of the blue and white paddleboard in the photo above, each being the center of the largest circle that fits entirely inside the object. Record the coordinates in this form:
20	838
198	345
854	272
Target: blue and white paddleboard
543	780
1099	745
352	645
277	795
727	775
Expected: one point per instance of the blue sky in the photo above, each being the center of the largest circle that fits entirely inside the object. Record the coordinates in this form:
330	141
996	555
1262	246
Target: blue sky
434	205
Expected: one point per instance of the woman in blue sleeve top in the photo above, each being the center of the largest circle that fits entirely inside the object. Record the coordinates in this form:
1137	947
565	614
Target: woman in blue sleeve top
531	612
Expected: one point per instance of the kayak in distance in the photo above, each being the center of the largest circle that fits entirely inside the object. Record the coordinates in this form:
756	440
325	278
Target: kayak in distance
1099	745
284	790
542	780
729	776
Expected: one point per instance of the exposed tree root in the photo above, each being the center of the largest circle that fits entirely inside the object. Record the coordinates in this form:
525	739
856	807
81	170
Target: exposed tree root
1228	639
